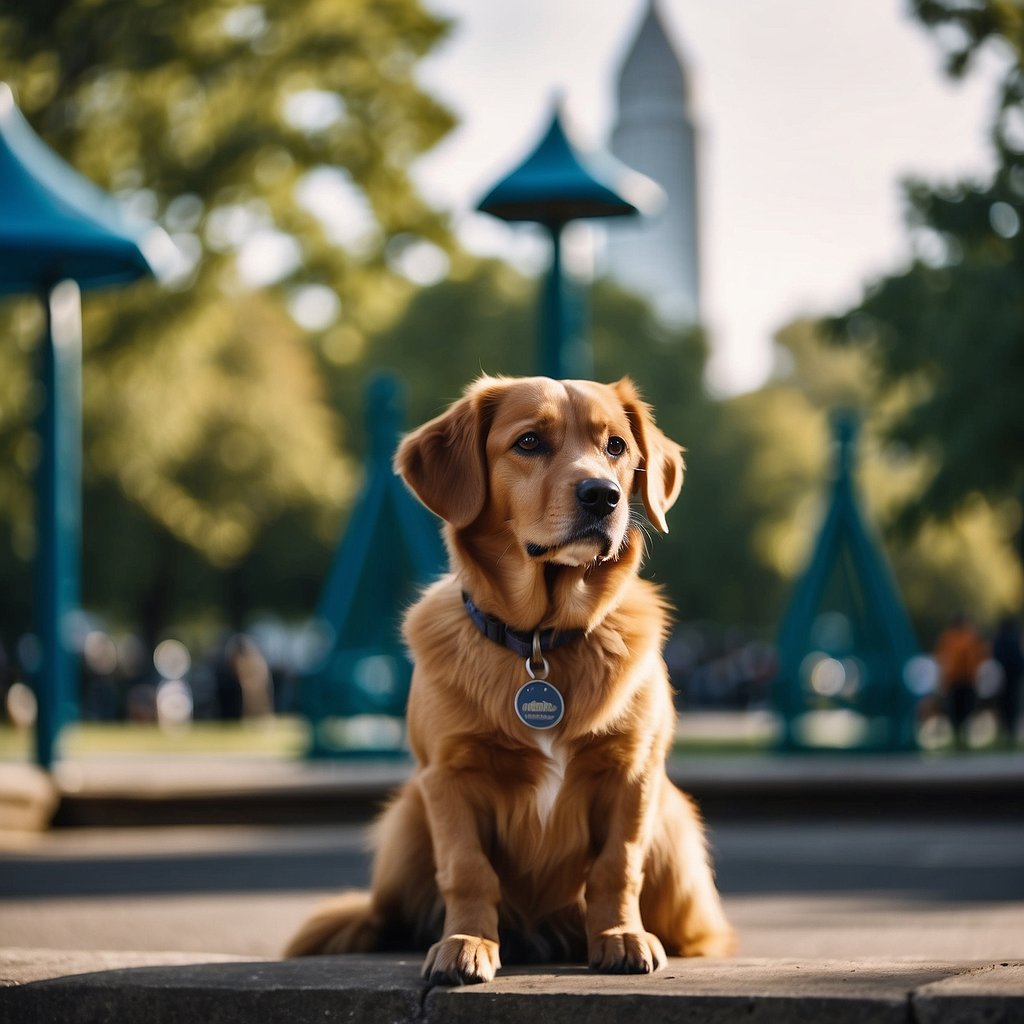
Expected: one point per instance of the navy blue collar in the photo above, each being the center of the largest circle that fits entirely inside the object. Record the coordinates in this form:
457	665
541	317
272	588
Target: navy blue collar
516	640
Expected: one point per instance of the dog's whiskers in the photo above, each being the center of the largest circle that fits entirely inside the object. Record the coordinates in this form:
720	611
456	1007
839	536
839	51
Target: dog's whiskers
508	546
636	518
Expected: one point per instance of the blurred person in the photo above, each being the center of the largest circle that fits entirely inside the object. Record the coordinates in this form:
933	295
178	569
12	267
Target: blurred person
959	653
243	682
1007	651
140	703
229	689
6	677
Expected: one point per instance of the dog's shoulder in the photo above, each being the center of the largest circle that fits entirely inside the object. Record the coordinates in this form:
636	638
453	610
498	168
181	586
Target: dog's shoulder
437	618
642	617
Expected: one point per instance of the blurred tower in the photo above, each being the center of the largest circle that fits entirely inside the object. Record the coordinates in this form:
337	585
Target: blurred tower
654	133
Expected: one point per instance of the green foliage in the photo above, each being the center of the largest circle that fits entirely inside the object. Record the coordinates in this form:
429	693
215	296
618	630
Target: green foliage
962	562
480	321
208	423
947	333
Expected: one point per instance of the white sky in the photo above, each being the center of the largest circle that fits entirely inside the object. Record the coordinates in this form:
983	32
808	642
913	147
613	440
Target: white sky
810	113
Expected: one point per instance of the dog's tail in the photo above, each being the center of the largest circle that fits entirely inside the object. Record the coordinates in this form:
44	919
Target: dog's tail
344	924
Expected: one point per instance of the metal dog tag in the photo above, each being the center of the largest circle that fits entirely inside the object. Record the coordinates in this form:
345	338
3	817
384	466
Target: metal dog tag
539	704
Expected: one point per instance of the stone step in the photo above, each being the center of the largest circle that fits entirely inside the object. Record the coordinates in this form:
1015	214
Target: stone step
38	986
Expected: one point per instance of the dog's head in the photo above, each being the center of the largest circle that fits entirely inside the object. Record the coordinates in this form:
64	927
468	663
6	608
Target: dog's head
549	465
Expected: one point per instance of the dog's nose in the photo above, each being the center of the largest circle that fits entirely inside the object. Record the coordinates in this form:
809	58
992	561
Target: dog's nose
598	496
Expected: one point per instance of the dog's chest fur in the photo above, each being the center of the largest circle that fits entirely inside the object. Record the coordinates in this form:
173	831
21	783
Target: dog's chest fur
553	778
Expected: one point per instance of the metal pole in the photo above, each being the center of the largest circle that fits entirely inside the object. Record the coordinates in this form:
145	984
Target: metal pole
551	357
58	515
563	344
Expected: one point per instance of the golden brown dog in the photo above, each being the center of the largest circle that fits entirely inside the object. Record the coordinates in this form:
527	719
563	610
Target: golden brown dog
539	821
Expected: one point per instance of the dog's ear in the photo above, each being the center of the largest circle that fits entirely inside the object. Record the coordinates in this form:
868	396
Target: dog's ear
444	462
660	475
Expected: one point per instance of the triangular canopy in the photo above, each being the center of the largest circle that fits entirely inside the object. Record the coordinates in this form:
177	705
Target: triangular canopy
391	543
846	638
556	183
56	224
391	548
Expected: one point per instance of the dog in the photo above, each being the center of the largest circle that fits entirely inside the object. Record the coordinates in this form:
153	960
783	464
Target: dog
539	824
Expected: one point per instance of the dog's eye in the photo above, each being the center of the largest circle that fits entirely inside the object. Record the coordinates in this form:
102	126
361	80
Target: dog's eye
615	447
529	443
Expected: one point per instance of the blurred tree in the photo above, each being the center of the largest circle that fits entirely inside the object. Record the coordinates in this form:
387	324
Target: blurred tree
273	141
480	319
947	333
962	562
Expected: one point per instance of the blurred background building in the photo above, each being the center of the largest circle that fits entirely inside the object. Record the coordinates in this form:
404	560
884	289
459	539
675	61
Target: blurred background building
654	133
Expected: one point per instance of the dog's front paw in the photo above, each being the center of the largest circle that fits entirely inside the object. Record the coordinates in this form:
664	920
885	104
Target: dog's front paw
461	960
620	952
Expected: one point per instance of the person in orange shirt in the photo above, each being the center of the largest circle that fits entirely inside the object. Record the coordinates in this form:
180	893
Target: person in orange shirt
959	652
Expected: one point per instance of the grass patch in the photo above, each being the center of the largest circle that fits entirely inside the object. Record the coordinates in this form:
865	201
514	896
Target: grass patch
722	746
283	737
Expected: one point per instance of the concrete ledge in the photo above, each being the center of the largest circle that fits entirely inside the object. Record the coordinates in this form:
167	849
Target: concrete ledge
132	988
222	790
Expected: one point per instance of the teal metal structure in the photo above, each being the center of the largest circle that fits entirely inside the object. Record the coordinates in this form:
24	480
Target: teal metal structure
553	185
355	696
59	234
845	640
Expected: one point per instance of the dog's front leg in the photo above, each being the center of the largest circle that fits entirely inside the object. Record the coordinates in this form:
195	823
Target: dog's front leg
617	941
468	950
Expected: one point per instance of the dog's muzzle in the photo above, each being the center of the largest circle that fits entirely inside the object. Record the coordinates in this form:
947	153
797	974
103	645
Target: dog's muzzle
596	499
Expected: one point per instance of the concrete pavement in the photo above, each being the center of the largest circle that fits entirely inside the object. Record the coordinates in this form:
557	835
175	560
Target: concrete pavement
942	890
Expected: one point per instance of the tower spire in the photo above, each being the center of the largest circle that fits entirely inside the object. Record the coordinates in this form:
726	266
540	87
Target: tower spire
655	134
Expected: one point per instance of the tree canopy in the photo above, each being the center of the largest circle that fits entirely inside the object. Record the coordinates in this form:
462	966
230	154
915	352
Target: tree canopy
947	332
